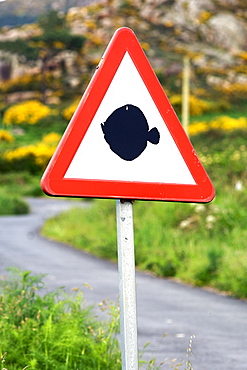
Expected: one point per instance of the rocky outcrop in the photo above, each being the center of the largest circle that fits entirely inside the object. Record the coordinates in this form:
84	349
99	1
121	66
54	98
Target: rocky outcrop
213	33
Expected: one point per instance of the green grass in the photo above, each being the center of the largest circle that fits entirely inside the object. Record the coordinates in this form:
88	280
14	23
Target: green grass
203	245
53	330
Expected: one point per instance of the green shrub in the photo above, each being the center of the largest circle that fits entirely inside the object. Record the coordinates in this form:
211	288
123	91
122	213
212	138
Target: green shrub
12	204
53	330
21	183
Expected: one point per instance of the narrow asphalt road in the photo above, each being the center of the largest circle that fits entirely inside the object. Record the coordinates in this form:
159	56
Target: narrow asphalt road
169	313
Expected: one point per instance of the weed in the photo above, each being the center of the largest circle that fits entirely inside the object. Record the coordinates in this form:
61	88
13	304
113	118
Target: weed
174	364
52	330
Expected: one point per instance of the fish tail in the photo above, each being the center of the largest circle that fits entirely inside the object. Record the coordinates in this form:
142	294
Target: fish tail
154	136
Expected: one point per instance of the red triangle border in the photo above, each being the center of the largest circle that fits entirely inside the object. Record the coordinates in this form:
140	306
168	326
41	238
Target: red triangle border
53	181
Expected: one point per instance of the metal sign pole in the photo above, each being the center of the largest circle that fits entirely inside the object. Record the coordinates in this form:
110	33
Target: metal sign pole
127	291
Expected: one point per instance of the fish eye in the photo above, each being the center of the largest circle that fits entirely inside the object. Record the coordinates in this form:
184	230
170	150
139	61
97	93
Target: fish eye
127	108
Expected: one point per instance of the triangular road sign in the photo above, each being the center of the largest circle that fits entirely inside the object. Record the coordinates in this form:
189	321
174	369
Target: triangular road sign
124	140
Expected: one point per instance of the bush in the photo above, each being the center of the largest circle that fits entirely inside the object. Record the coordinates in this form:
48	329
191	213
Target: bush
6	136
32	158
21	183
53	330
29	112
223	123
12	204
30	82
25	82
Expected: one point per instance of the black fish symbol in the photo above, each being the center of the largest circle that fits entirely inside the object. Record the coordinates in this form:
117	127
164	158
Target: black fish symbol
126	131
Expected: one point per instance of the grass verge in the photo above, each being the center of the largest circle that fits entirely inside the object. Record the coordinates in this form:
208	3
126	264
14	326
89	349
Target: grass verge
200	244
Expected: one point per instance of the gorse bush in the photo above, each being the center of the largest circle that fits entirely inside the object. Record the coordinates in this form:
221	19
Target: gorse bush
22	83
30	82
53	330
223	123
6	136
29	112
197	106
33	158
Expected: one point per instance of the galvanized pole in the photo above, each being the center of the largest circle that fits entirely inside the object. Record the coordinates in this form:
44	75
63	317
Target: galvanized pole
127	288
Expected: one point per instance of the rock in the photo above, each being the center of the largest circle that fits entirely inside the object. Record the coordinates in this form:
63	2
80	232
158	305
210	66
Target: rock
227	31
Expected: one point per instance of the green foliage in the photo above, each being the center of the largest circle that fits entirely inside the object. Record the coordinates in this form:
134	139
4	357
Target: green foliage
53	330
21	183
57	40
50	20
26	163
21	47
223	154
12	204
55	31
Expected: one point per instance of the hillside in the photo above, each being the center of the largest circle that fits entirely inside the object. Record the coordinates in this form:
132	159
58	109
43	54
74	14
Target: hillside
28	11
212	33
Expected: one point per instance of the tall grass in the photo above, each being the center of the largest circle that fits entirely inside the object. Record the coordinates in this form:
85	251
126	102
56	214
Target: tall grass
53	330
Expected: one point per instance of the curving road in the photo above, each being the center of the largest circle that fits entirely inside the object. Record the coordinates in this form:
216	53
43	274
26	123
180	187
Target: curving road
169	313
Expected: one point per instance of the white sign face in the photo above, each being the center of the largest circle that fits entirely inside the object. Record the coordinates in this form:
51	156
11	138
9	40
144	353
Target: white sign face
157	163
